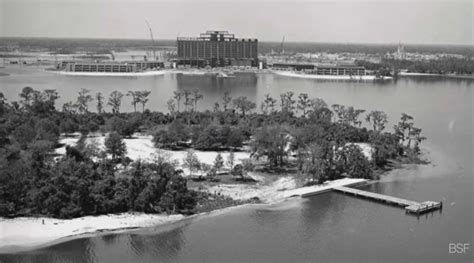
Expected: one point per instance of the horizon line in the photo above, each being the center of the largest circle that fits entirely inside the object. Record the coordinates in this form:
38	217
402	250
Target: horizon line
264	41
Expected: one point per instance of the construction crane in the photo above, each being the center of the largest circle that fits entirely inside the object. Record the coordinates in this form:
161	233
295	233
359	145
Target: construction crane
281	46
152	40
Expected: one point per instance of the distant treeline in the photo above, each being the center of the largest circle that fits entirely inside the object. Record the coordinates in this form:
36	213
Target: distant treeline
85	44
439	66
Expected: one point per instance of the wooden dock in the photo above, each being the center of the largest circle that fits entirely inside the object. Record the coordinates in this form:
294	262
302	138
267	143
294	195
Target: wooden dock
410	206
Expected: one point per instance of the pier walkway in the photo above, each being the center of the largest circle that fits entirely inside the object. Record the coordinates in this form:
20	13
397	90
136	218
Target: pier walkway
410	206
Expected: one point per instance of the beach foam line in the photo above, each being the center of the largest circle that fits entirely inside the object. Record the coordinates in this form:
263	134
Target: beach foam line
327	77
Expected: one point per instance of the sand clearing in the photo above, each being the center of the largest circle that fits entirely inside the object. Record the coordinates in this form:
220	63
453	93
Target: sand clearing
141	147
278	190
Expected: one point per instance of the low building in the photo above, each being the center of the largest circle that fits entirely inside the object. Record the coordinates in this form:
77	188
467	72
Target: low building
293	66
340	70
337	70
110	66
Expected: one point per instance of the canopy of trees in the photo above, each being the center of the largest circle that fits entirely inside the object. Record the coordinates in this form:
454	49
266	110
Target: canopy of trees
297	130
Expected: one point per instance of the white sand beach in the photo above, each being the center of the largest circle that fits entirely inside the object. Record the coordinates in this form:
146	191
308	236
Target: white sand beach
327	77
31	232
417	74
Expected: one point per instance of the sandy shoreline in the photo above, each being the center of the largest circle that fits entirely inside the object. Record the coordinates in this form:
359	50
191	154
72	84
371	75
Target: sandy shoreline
136	74
327	77
26	233
416	74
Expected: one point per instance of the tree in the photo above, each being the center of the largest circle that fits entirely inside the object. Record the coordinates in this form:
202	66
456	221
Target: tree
244	105
177	197
143	98
209	139
354	162
242	169
318	104
187	100
231	160
339	110
124	127
115	146
51	95
248	165
115	99
70	108
83	100
27	95
238	170
287	102
271	142
404	127
216	108
316	170
191	162
135	98
218	162
268	104
175	134
3	104
171	108
196	97
352	116
415	135
24	134
226	99
47	130
100	102
378	119
303	103
348	115
177	95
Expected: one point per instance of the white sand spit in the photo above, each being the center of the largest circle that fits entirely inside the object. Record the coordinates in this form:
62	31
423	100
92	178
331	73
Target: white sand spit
29	231
326	77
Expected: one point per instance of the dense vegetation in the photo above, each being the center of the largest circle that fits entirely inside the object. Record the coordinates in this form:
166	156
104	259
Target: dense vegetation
86	180
435	66
295	133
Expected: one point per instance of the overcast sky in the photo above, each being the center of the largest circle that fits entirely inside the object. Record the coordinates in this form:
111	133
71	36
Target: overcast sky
416	21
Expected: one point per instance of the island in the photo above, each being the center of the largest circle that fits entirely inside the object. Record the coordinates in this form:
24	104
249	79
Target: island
69	171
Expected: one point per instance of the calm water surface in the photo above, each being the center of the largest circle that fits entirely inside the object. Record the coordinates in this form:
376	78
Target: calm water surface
330	227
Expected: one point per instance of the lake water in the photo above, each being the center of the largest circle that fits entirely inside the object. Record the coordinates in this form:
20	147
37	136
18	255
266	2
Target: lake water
330	227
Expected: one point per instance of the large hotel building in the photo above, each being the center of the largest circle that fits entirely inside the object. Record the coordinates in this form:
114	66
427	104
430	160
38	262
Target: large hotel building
217	49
